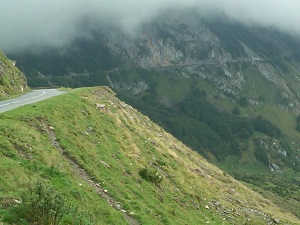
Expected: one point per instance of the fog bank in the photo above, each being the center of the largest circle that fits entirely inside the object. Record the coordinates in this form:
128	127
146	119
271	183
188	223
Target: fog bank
35	23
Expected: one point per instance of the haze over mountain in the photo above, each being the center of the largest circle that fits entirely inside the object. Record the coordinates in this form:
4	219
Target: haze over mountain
35	24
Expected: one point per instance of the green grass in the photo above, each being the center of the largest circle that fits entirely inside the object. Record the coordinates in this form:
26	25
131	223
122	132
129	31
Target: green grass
12	80
173	87
245	164
127	142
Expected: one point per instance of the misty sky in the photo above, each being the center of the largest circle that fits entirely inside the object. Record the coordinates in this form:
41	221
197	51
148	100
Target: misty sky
28	23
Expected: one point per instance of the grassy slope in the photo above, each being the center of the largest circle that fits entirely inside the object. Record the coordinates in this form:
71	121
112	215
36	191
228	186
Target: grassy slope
246	167
127	142
12	81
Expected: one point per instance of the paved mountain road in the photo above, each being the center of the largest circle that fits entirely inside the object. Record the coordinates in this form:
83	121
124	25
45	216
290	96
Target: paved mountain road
28	98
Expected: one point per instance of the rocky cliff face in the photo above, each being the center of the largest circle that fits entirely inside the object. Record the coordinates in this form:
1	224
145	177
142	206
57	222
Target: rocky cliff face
229	55
222	52
168	40
12	80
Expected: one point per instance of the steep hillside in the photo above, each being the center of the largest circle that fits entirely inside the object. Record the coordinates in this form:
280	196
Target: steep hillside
12	81
88	158
230	92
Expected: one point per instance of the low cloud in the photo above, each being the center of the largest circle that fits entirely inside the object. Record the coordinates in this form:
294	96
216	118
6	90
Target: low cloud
36	23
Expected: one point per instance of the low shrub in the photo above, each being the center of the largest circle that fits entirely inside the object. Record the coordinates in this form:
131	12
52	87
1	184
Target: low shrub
45	204
150	175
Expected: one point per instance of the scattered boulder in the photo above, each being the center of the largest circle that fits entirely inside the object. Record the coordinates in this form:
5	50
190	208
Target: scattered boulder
101	106
216	204
8	202
123	105
117	206
18	201
275	168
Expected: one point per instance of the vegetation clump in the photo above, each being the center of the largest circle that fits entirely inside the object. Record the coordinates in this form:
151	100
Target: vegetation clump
151	175
45	205
42	204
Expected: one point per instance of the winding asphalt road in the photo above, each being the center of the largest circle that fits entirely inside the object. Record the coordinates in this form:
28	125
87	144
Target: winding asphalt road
29	98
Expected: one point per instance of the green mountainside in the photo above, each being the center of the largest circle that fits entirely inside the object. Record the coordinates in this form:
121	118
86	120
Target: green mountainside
12	80
230	92
86	157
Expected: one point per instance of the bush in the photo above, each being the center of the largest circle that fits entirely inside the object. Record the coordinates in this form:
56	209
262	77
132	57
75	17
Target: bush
236	111
243	101
261	156
45	205
150	175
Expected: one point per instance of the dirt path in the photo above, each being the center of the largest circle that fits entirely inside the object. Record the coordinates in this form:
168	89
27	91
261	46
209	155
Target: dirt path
80	171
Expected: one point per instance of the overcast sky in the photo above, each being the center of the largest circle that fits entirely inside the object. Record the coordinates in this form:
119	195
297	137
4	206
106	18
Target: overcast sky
26	23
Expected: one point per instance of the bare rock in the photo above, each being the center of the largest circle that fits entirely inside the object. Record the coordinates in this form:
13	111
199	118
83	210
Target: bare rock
117	206
101	106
